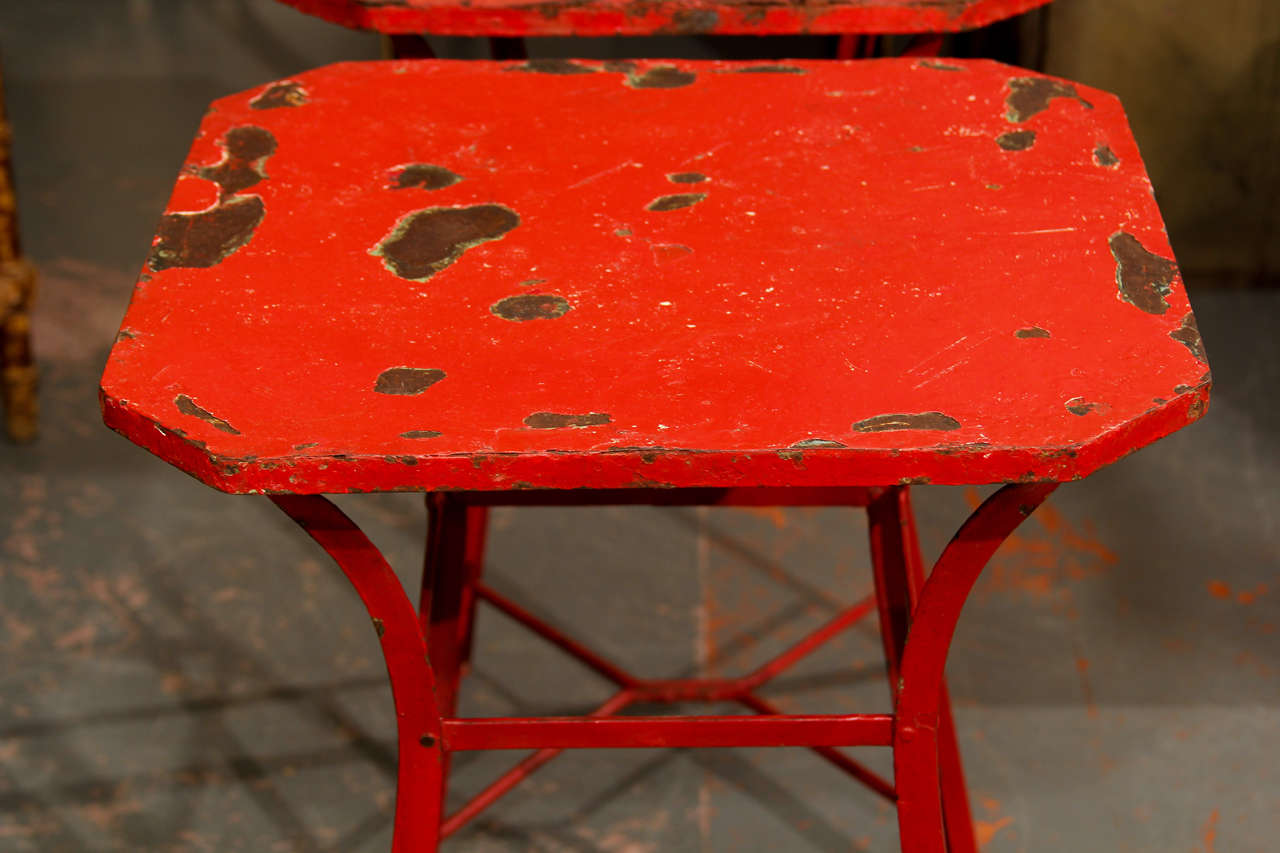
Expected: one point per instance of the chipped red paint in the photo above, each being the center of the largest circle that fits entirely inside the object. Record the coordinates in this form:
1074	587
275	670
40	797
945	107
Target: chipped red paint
850	307
641	17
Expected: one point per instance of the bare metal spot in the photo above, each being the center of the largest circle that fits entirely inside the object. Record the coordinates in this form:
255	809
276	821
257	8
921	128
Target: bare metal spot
555	420
768	69
1080	406
188	407
1016	140
1188	334
420	433
246	150
427	241
530	306
660	77
817	442
530	282
686	178
921	421
935	65
205	238
1144	279
407	380
1032	332
675	202
284	94
552	66
1029	96
1104	156
424	176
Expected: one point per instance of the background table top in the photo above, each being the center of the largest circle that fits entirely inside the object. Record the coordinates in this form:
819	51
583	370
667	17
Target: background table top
419	275
627	17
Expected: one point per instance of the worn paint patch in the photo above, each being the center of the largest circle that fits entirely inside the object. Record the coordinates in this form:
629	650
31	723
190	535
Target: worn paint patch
407	380
675	202
530	306
1188	334
283	94
557	420
665	253
205	238
420	434
622	66
1016	140
426	176
1029	96
816	443
552	66
920	421
935	65
1081	406
1144	278
188	406
243	164
660	77
768	69
686	177
1032	332
1104	156
425	242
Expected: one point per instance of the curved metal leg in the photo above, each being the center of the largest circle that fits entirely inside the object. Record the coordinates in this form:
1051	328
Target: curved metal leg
920	690
419	792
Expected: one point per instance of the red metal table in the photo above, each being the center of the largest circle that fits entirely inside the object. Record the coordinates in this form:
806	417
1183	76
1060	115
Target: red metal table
643	282
628	17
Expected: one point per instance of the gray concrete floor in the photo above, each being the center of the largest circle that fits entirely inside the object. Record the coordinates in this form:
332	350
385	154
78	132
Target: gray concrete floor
181	670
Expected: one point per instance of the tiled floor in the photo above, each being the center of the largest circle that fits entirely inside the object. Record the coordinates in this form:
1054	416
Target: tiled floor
182	670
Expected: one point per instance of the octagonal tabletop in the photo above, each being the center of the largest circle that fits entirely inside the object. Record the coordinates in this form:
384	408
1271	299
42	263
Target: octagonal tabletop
628	17
431	275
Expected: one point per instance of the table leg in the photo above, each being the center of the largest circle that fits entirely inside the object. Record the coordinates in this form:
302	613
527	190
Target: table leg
922	726
421	774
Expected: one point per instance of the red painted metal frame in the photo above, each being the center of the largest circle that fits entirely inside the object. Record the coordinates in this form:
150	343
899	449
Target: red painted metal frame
632	17
426	651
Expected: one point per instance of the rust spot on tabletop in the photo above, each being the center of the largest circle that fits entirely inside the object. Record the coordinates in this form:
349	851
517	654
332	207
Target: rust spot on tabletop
556	420
1032	332
1080	406
660	77
624	66
529	282
1029	96
407	380
246	150
425	176
378	627
203	239
935	65
691	22
1016	140
306	445
1144	279
920	421
552	66
425	242
420	433
125	335
768	69
810	443
1195	410
284	94
675	202
530	306
1189	336
686	177
914	481
1104	156
188	407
